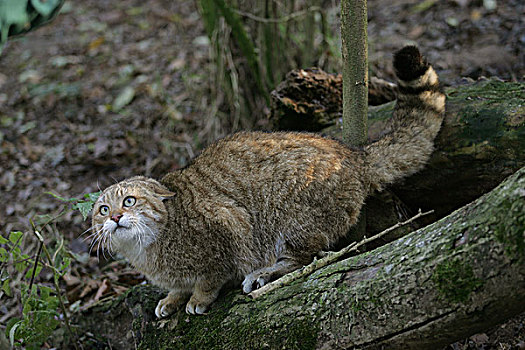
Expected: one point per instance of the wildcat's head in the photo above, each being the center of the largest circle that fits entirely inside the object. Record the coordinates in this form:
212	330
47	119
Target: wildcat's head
128	215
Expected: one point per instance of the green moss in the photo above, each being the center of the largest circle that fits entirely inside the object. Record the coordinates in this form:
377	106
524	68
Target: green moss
455	281
508	225
300	335
489	92
207	332
186	332
486	100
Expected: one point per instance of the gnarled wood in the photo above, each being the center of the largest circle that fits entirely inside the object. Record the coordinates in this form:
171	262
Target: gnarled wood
311	99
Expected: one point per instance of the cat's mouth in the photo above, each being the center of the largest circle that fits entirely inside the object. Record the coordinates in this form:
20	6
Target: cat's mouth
121	228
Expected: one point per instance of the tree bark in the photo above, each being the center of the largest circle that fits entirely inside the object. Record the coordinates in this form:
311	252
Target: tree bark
456	277
354	48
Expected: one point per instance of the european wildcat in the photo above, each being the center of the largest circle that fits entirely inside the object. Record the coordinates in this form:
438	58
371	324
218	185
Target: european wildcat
258	205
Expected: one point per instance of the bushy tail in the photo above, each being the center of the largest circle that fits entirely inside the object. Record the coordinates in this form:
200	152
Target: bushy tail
416	121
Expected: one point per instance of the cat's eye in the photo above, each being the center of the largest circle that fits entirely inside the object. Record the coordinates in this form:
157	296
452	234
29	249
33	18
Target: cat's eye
129	201
104	210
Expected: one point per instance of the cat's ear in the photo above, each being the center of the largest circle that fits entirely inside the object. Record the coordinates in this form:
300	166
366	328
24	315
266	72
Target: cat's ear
162	192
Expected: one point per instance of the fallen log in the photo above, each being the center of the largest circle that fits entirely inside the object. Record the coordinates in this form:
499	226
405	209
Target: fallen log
451	279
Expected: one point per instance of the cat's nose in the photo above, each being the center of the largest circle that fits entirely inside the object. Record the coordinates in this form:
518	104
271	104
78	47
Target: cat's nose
116	218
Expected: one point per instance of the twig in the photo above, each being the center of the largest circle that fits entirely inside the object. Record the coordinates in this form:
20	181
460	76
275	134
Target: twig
41	240
328	259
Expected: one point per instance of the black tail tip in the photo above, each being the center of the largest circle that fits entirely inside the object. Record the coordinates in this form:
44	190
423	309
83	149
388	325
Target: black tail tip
409	64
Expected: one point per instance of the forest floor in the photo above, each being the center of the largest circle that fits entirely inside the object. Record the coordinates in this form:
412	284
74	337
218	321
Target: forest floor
115	89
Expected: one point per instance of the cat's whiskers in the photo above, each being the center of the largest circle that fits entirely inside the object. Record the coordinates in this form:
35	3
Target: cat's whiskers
114	180
149	237
90	237
139	237
109	249
93	243
100	237
104	244
143	225
89	229
95	236
94	233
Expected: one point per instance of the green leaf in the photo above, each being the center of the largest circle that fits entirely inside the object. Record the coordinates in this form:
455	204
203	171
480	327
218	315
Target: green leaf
29	272
12	13
42	219
21	266
6	288
124	98
16	252
40	316
12	332
45	292
45	8
84	208
60	198
3	255
92	197
15	237
3	240
10	323
64	264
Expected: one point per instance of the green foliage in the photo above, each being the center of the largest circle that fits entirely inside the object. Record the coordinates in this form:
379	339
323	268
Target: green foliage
244	41
253	52
21	16
40	317
39	314
83	205
42	306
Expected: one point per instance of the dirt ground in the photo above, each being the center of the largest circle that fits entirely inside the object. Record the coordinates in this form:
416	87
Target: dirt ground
115	89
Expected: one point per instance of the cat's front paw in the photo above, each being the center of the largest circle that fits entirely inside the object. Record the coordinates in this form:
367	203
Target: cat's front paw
168	305
254	280
196	307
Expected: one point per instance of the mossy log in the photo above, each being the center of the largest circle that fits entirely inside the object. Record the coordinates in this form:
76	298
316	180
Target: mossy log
481	142
449	280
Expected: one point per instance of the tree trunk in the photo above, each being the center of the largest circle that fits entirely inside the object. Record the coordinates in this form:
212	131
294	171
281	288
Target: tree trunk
454	278
354	48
